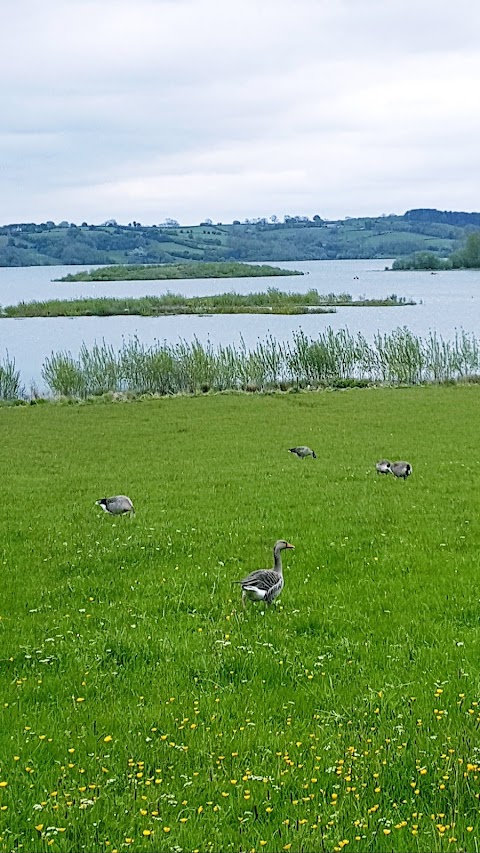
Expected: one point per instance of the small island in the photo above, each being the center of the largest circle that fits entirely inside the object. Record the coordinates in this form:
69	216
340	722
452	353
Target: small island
272	301
163	272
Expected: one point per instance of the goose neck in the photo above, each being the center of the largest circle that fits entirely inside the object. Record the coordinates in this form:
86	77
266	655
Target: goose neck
278	560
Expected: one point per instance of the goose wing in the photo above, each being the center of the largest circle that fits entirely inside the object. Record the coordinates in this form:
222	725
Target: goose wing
274	590
263	579
119	502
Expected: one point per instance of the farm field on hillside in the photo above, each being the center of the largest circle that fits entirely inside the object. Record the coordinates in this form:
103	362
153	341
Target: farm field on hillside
143	710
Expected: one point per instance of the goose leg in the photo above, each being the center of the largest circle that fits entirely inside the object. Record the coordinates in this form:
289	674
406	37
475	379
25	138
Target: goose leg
244	598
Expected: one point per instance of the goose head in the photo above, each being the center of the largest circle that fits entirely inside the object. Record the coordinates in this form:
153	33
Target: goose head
281	544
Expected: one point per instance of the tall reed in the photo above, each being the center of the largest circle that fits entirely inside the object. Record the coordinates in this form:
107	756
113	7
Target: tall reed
10	384
397	357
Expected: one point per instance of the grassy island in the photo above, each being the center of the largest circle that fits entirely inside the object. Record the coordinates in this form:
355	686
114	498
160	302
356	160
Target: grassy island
161	272
271	301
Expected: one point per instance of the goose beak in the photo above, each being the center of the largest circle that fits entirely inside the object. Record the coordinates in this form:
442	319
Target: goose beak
291	546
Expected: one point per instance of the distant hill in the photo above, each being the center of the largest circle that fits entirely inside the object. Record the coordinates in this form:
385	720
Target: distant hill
448	217
296	238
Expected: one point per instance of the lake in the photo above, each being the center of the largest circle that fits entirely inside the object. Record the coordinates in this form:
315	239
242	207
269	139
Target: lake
446	301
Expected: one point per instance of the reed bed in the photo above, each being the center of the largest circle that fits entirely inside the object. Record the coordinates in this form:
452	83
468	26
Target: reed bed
332	359
270	301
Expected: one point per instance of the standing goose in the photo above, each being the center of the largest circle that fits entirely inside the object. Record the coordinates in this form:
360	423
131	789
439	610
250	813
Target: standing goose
265	584
116	505
384	466
401	469
302	452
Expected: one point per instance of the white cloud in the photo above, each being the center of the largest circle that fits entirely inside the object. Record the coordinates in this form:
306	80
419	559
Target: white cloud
194	108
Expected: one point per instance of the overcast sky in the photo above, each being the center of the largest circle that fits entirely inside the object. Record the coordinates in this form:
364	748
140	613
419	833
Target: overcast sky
146	109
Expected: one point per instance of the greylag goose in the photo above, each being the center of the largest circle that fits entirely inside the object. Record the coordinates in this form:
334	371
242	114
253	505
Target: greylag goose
302	452
116	505
265	584
401	469
384	466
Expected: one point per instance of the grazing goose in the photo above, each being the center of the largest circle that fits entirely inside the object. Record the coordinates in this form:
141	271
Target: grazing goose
265	584
384	466
401	469
117	505
302	452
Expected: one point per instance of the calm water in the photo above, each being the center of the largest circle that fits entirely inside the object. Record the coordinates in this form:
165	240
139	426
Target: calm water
446	301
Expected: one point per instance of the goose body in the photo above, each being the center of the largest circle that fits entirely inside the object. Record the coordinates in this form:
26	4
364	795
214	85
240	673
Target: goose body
116	505
384	466
401	469
303	451
265	584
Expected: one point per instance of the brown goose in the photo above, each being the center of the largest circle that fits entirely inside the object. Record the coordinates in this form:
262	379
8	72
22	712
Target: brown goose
384	466
265	584
401	469
116	505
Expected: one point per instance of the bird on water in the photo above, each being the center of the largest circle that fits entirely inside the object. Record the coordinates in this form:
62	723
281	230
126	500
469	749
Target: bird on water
302	452
116	505
401	469
265	584
384	466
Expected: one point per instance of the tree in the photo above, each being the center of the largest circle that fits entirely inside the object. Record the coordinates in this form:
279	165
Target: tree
471	252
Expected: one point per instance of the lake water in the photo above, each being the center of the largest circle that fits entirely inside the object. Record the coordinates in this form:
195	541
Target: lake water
446	301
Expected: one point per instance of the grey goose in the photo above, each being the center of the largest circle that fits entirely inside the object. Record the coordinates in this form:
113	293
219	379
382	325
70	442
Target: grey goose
401	469
265	584
384	466
116	505
302	451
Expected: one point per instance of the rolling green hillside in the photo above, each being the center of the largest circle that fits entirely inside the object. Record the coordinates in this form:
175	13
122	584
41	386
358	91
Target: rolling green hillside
297	238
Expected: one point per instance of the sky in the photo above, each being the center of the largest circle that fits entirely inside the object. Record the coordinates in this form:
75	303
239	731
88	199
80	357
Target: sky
194	109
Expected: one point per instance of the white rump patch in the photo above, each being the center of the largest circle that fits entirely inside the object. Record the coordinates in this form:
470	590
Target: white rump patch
254	593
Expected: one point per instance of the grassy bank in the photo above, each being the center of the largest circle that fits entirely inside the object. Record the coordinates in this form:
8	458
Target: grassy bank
142	710
272	301
150	272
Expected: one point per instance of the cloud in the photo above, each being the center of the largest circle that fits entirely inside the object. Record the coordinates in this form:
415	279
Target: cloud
194	108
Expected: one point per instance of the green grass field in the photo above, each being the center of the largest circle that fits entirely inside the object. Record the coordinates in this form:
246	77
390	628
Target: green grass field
143	710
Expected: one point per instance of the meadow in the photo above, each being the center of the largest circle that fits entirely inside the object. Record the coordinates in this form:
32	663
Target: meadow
143	710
